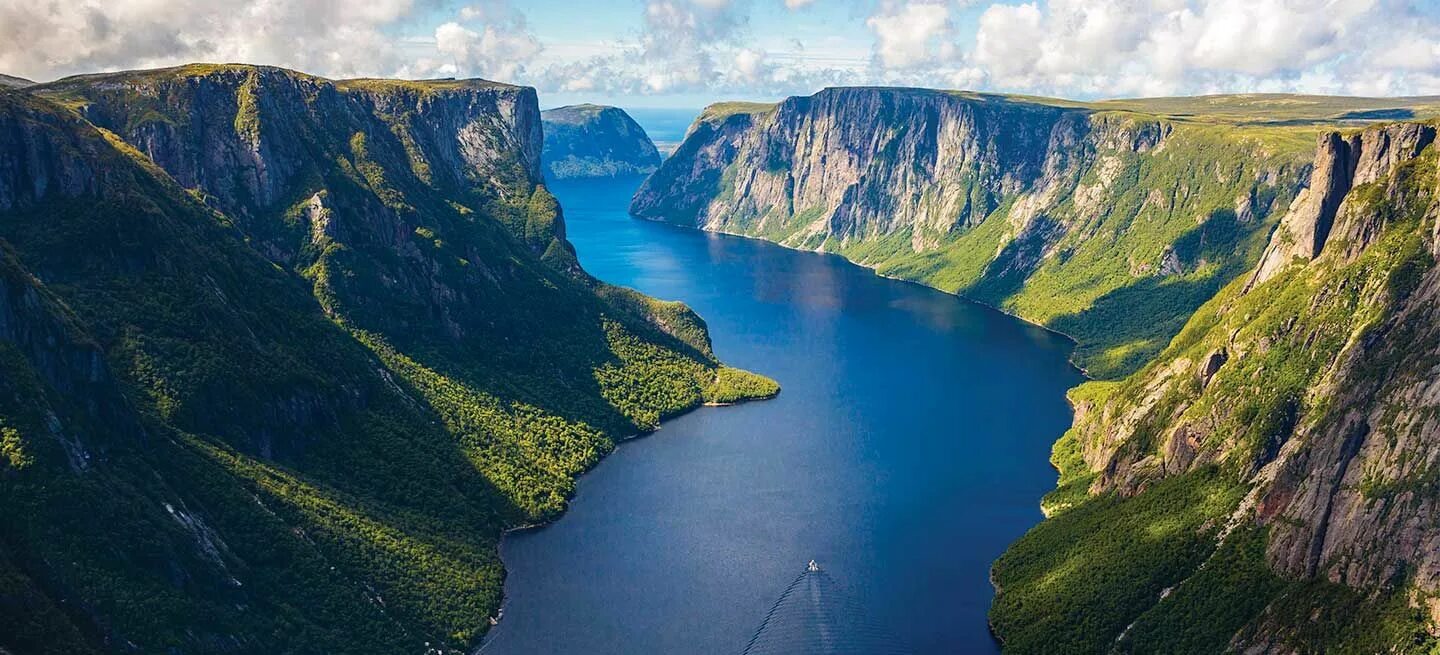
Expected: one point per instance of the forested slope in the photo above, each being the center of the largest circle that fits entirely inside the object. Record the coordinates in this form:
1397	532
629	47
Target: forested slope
1267	484
283	356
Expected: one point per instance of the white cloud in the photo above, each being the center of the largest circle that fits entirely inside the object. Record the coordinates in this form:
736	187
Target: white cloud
499	50
1156	47
748	64
47	39
1059	47
910	34
1007	39
1260	37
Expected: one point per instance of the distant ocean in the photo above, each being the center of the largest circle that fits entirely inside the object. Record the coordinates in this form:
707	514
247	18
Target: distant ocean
666	127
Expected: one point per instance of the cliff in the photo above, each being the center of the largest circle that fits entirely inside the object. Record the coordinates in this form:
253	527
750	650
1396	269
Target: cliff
1111	222
1255	288
283	356
1279	454
595	141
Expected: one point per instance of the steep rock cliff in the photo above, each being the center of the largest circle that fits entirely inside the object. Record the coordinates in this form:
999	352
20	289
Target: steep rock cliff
1303	396
283	356
1107	223
595	141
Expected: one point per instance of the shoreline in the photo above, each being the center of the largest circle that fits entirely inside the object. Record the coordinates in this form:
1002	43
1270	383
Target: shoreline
1069	359
499	616
498	619
873	271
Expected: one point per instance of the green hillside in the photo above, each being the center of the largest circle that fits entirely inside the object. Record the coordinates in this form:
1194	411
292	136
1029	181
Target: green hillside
1279	446
1110	221
283	357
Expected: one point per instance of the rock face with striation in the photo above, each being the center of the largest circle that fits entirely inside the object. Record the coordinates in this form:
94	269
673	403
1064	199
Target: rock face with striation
1341	163
595	141
1257	473
1304	397
1081	217
281	357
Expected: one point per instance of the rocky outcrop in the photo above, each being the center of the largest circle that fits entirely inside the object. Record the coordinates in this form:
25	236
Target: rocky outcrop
1317	390
1341	163
306	165
36	164
849	163
282	357
256	138
1002	199
595	141
1341	234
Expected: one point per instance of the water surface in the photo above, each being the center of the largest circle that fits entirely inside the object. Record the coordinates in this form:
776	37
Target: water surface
665	127
909	445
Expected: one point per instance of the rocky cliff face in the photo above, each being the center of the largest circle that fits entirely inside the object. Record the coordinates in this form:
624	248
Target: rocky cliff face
280	358
257	139
1309	388
1257	476
595	141
1063	213
1340	165
862	162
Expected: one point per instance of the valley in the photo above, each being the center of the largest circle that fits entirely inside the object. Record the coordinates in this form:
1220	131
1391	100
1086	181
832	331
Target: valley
906	451
284	357
1247	278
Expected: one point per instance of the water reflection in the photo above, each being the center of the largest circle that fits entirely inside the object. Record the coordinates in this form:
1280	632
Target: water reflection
909	446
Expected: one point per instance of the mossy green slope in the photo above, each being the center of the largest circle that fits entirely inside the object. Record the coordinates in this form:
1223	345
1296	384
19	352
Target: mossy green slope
1111	222
1294	406
283	357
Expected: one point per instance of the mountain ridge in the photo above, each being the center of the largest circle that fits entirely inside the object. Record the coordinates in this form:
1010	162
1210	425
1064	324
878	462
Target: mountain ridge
1296	395
1000	202
1256	478
12	82
284	357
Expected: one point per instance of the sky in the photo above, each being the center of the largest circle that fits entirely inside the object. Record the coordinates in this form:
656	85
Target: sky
688	53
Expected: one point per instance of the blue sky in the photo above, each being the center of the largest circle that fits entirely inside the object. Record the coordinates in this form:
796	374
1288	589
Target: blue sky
686	53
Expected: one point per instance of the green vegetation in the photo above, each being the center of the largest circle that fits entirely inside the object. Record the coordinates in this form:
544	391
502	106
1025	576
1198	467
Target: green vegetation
1073	583
296	416
1067	455
12	449
1236	593
1204	612
722	110
1106	287
247	114
1278	109
734	385
422	87
1289	371
1111	222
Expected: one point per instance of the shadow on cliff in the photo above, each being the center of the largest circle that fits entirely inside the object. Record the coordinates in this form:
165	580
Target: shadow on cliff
1153	309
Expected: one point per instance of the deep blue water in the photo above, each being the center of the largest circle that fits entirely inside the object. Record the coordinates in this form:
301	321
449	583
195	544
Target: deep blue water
908	447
